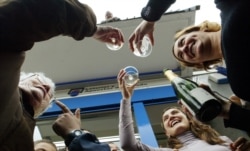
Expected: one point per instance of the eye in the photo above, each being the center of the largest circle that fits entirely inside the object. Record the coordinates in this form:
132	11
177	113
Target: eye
165	118
180	55
181	42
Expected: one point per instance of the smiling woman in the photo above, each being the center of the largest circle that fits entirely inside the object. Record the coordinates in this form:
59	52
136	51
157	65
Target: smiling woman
183	131
198	45
180	127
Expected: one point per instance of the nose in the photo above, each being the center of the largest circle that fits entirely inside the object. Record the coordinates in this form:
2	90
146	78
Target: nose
47	88
184	49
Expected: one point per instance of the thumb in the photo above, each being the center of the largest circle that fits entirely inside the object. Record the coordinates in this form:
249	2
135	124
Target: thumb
151	37
78	114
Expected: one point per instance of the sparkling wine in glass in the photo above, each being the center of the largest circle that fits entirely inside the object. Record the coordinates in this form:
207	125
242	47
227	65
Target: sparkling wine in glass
112	46
146	47
131	76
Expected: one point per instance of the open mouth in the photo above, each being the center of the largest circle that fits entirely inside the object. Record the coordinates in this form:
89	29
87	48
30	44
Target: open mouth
174	122
191	50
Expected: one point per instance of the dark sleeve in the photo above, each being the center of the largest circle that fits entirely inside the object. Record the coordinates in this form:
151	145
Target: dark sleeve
235	44
24	22
238	118
155	9
87	142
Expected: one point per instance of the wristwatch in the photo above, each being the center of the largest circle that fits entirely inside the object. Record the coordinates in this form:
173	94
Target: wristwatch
72	135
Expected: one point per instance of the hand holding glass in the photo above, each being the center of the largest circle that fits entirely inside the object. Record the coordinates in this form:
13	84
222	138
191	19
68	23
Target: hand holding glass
114	46
131	76
145	49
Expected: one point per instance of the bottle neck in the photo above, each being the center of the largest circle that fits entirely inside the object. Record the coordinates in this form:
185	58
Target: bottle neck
170	74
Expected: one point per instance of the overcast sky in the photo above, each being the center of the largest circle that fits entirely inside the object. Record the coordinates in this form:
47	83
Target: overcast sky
131	8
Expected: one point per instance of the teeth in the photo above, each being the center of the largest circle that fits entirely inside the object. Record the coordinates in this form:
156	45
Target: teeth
174	122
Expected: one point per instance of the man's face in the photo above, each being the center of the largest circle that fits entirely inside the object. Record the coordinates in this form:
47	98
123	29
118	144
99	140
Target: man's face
38	93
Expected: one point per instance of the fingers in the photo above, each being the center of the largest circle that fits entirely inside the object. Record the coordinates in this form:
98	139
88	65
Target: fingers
64	108
133	86
120	76
151	37
78	113
131	42
241	144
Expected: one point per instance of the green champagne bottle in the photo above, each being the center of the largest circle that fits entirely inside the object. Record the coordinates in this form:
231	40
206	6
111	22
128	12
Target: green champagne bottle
203	105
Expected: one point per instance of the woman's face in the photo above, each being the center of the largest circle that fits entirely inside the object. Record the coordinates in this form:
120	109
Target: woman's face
194	47
175	122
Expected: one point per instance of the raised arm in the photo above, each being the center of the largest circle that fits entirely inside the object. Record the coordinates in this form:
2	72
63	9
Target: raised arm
151	13
23	22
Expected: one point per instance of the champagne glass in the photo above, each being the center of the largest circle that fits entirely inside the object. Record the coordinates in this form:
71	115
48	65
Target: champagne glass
131	76
112	46
146	47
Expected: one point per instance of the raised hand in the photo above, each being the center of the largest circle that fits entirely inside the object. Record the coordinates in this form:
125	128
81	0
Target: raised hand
126	90
145	28
241	144
66	122
107	33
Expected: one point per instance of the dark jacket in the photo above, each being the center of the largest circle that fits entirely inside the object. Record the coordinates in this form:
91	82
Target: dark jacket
22	23
87	142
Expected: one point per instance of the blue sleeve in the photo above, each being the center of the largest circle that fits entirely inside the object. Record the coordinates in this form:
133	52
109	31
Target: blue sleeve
155	9
87	142
238	118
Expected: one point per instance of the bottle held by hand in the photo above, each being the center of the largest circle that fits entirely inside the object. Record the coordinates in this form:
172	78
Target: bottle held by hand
203	105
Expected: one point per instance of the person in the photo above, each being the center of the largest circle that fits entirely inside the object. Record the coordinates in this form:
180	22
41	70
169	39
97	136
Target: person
26	22
44	145
22	102
110	18
68	123
183	131
113	146
199	46
234	37
23	23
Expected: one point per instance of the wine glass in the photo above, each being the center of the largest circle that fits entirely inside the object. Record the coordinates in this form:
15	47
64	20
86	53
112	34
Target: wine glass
146	47
131	75
112	46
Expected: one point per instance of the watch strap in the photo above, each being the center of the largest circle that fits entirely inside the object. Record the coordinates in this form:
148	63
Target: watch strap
71	136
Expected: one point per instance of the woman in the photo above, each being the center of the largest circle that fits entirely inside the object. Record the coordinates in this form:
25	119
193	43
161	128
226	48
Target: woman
183	132
199	46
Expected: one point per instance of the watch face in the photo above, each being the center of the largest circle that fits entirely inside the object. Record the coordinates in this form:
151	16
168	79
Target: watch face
78	132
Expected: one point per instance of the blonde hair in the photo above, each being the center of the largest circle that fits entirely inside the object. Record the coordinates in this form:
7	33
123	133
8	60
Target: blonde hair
205	26
200	130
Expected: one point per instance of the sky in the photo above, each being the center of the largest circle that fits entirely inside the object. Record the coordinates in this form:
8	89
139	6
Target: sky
131	8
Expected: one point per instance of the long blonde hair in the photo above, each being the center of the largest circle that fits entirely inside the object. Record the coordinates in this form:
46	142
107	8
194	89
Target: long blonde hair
205	26
200	130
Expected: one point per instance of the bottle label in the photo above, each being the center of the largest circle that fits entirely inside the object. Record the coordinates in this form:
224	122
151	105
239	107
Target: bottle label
188	107
201	95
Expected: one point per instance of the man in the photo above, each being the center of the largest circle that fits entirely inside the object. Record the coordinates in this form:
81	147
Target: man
110	18
21	103
24	22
